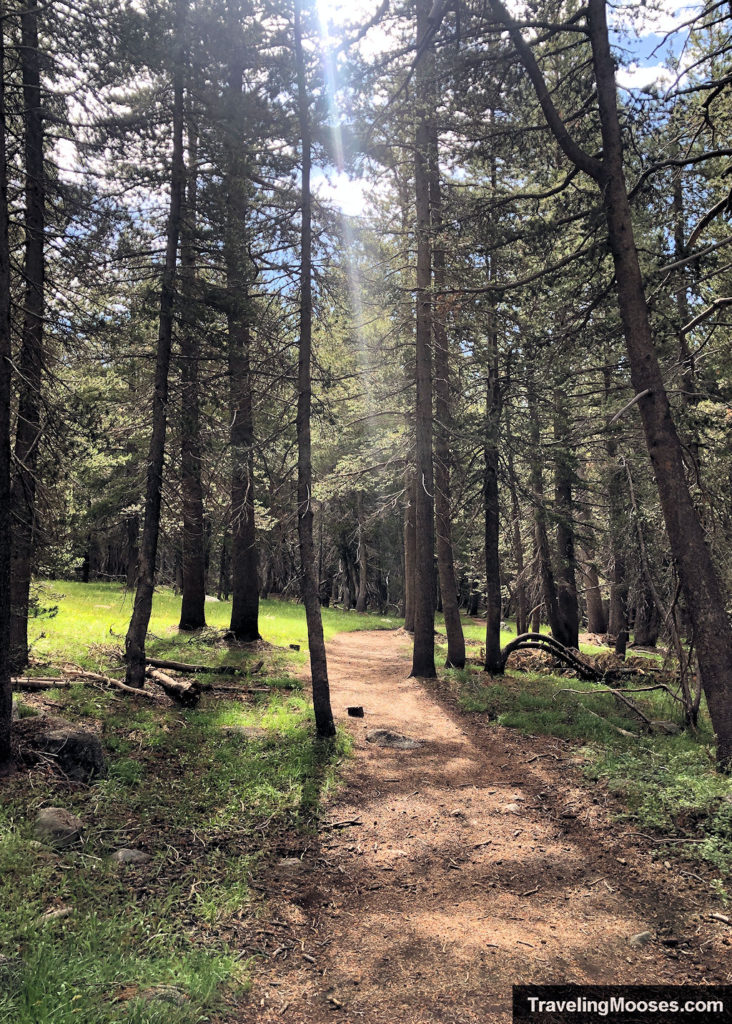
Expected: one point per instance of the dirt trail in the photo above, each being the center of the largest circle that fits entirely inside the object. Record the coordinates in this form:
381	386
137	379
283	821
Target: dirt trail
480	862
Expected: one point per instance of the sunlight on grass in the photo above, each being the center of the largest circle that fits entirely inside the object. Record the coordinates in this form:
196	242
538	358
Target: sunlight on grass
667	783
99	613
207	792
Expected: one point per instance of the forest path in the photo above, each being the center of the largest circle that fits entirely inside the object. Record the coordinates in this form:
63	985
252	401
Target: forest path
480	861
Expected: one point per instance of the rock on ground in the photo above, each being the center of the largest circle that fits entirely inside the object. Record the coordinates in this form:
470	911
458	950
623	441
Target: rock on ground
77	752
387	738
57	827
126	856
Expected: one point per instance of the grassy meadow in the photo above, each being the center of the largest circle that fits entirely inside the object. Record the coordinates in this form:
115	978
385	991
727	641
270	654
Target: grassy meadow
170	941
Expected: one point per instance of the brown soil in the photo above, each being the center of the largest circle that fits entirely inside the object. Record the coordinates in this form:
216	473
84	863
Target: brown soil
480	860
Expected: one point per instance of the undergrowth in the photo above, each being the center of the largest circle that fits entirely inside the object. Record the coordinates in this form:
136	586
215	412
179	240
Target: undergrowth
207	792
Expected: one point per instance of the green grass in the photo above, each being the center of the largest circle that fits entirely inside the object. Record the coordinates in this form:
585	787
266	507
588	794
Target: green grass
93	614
207	804
667	783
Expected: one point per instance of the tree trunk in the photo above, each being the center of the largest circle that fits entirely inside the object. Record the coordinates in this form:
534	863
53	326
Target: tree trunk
423	656
362	561
647	621
193	581
493	660
132	529
474	598
6	694
617	622
548	586
137	632
443	513
244	557
28	430
567	604
318	665
522	607
224	570
596	620
699	581
697	574
409	556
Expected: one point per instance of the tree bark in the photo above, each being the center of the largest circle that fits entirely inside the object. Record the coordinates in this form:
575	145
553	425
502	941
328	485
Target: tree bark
224	586
318	664
6	693
28	429
244	556
137	632
546	571
443	512
409	555
567	603
647	620
362	561
423	656
193	582
493	660
522	607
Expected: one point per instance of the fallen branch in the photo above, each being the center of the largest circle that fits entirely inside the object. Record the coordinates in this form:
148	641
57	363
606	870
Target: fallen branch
221	670
618	696
75	679
621	732
186	691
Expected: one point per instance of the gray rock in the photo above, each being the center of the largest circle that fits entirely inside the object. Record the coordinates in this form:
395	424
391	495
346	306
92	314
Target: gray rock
126	856
77	753
291	864
387	738
164	994
641	939
57	914
668	728
57	827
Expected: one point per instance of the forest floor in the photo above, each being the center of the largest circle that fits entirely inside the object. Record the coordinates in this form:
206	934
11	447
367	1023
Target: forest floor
478	860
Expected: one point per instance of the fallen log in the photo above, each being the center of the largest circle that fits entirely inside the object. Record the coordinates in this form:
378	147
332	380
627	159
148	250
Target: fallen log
220	670
185	691
74	679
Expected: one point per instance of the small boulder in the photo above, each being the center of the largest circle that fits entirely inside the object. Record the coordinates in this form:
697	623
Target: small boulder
291	864
641	939
57	827
667	728
387	738
126	856
77	752
164	994
56	914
